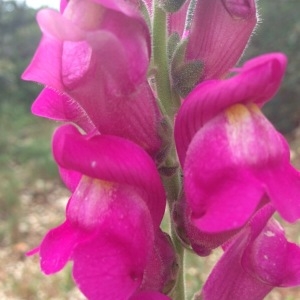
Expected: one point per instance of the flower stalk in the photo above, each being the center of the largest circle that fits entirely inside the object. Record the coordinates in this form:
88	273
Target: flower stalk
160	59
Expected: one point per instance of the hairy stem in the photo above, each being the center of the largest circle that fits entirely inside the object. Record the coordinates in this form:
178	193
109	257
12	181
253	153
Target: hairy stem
160	59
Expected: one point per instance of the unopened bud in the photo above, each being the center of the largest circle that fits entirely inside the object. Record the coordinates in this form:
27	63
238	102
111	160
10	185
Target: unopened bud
185	75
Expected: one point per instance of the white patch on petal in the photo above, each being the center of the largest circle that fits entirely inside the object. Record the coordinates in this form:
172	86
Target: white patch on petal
252	139
269	233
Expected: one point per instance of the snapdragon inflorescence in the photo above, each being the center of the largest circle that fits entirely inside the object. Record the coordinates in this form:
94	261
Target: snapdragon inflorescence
156	115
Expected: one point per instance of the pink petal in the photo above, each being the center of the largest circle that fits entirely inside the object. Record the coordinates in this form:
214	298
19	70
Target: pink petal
127	8
93	199
111	265
292	274
52	105
220	188
271	259
261	259
54	25
40	70
58	245
63	4
70	178
254	262
228	279
283	188
131	29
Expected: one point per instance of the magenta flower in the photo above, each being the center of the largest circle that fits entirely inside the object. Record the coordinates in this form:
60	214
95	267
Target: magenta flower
232	157
219	33
257	260
112	222
94	66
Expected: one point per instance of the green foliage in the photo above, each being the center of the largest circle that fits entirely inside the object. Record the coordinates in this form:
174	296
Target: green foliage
25	156
19	38
24	140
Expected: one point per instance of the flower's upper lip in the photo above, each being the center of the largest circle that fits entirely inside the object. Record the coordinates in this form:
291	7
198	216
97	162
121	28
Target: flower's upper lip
257	82
112	159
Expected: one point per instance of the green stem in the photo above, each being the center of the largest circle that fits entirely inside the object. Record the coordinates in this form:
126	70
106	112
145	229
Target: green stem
179	291
168	104
172	185
160	59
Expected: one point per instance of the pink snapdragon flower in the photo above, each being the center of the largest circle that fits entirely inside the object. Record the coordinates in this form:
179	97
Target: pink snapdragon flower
93	59
258	259
111	231
219	33
232	157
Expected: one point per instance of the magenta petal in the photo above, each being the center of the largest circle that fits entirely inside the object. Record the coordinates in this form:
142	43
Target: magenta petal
103	269
63	4
59	107
111	159
112	263
271	259
256	260
228	279
57	247
131	30
284	190
127	8
230	207
70	178
93	200
221	189
201	241
292	274
261	259
53	24
40	70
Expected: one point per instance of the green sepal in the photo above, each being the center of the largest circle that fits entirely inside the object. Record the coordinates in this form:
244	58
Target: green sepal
145	13
173	42
171	6
185	75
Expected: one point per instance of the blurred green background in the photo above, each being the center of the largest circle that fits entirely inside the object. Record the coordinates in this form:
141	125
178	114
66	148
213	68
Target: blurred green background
32	198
